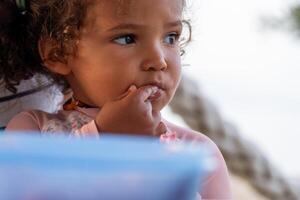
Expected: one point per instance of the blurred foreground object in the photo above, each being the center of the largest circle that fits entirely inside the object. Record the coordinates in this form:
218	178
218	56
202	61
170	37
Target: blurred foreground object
243	158
111	168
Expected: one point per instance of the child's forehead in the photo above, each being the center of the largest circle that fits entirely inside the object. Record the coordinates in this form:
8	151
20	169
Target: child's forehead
124	8
117	7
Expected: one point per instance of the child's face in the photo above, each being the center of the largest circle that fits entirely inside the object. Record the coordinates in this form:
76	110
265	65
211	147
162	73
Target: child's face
127	42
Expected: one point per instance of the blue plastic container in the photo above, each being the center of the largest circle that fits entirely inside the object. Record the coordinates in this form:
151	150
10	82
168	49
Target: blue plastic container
110	168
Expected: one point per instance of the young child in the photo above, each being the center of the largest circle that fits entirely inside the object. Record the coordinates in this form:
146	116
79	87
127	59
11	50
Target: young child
121	59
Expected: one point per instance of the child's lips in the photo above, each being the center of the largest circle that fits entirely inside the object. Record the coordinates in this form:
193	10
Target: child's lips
157	93
157	84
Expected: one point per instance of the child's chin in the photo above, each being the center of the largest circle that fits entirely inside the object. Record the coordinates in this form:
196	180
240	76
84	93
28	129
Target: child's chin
158	106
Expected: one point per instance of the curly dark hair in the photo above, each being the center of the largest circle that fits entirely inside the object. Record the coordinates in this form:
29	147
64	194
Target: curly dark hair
20	33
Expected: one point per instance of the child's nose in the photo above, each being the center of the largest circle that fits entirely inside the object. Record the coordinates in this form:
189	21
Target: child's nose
154	59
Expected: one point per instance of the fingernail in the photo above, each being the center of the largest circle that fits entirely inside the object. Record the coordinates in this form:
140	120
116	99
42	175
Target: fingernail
132	88
154	89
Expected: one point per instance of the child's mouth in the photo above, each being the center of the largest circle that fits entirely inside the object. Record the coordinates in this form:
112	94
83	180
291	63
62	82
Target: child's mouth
156	94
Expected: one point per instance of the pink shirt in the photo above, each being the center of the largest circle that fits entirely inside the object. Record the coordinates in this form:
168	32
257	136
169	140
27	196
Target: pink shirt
81	123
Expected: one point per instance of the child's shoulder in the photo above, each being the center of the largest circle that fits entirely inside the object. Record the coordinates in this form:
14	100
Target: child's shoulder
25	121
187	133
37	114
217	184
31	120
44	122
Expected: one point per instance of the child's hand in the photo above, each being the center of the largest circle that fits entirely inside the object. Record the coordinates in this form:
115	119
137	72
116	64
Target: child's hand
131	113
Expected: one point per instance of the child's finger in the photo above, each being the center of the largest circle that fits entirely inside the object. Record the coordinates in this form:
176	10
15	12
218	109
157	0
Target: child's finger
143	93
130	89
161	129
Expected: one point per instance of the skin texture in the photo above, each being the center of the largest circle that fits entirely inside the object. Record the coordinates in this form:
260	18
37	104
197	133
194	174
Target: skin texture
127	62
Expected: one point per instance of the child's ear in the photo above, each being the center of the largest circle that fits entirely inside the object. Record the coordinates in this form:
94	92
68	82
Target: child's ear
50	59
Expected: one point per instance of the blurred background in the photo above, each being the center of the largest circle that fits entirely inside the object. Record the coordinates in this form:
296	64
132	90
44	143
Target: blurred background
251	72
244	57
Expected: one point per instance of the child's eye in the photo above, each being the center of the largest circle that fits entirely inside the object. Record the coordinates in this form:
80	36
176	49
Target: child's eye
125	39
171	38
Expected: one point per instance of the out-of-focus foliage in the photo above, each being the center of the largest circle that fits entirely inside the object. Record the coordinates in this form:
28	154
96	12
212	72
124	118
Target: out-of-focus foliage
289	21
295	15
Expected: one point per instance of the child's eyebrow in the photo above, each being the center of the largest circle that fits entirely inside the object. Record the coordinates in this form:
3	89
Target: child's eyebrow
126	26
174	24
130	26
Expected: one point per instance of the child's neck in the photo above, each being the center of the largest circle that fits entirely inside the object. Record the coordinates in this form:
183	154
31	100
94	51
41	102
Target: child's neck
73	103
